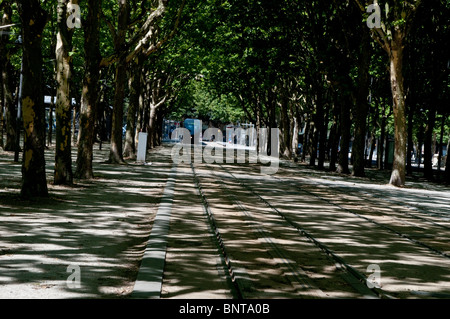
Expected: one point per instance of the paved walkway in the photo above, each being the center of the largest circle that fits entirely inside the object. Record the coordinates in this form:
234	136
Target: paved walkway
223	231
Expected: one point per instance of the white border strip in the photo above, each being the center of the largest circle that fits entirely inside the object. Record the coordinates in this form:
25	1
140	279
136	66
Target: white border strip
149	280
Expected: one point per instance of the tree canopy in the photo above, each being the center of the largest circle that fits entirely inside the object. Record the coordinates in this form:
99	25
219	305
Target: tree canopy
325	73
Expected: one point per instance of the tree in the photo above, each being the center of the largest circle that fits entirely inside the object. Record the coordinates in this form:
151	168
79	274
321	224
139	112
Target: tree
135	86
33	19
144	42
361	106
90	91
391	36
63	158
119	40
6	79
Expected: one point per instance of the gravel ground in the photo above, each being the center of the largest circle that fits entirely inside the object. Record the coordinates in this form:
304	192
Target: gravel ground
95	233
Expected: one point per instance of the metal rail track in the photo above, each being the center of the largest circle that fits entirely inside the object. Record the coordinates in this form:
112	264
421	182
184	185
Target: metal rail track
414	211
339	262
385	227
390	229
235	284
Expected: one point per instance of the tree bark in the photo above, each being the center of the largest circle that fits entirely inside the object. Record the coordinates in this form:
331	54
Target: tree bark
313	137
6	70
33	19
322	122
140	126
50	122
135	88
11	113
89	92
428	144
74	124
151	126
2	122
401	16
345	124
441	140
410	141
334	138
116	152
285	122
398	175
361	107
382	151
305	138
63	157
447	164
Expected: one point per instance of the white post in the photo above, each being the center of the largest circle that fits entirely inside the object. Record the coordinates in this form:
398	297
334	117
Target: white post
142	147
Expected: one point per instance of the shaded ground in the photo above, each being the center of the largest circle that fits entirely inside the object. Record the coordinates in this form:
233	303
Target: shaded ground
100	226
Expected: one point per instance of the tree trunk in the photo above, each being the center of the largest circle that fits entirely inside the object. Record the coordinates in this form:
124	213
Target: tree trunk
11	113
33	19
381	146
159	124
322	121
372	149
361	107
74	124
135	88
50	122
305	138
294	144
151	126
6	68
334	138
373	137
116	154
420	145
272	122
398	175
410	141
428	144
116	151
441	141
259	125
63	157
313	138
286	131
2	122
447	164
90	92
140	126
345	125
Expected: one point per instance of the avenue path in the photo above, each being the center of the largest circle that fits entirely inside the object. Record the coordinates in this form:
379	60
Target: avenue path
301	233
199	230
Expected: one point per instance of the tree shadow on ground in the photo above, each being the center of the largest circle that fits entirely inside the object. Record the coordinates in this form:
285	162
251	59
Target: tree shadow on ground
100	226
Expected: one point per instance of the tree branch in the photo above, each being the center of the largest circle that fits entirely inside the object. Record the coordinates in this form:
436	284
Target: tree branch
150	33
110	27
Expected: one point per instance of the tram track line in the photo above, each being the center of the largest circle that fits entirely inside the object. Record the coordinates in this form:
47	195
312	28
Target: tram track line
417	209
390	229
297	274
401	217
381	198
236	285
339	262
